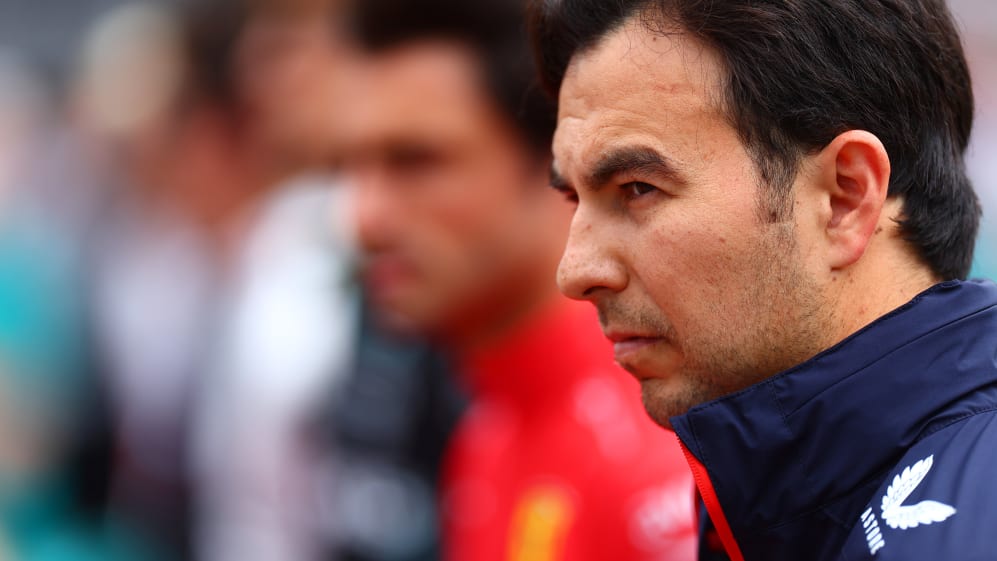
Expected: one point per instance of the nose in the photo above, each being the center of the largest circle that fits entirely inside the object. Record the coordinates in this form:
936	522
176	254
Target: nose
374	208
590	266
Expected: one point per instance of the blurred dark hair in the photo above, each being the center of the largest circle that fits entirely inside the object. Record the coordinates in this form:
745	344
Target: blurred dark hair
210	34
494	30
797	73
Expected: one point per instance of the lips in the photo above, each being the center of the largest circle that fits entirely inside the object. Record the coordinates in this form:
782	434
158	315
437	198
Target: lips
385	276
626	345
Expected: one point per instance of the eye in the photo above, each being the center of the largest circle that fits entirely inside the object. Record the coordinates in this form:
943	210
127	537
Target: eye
636	189
569	194
414	158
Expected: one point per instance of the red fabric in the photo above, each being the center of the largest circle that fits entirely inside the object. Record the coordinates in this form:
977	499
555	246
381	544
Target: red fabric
556	459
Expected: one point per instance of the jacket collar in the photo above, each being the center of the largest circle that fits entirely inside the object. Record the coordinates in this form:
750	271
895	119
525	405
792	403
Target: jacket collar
793	459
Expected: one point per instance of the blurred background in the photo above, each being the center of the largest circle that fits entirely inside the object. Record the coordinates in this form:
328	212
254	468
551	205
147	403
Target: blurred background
178	313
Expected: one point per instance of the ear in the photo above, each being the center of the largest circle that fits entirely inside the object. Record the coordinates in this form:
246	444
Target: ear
854	184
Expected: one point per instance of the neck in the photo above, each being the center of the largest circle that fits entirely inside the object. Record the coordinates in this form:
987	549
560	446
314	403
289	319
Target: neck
497	318
888	275
535	364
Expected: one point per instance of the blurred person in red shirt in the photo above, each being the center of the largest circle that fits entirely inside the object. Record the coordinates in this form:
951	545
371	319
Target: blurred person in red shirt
447	141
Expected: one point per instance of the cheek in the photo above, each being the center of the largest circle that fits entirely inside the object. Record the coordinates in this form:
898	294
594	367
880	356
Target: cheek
690	270
458	236
679	251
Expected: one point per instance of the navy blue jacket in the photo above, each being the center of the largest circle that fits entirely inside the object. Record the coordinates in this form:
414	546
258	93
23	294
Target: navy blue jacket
882	447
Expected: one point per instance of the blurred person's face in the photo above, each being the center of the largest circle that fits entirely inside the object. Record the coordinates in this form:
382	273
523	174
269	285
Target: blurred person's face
289	73
459	231
22	107
701	293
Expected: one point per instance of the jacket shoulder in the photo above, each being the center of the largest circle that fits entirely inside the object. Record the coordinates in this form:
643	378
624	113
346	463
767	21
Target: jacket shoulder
938	502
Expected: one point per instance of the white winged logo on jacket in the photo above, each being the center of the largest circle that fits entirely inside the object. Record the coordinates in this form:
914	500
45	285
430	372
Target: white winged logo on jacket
898	515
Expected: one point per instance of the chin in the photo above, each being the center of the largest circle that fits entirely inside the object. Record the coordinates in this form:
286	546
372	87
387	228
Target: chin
414	324
664	400
397	321
659	407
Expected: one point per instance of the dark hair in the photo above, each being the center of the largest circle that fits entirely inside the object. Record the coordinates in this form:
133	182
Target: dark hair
494	30
797	73
212	36
209	33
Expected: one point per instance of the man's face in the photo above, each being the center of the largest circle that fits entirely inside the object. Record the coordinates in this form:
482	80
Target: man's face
700	292
293	57
454	216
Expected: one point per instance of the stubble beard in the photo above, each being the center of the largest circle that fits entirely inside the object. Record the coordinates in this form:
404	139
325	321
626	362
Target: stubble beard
782	322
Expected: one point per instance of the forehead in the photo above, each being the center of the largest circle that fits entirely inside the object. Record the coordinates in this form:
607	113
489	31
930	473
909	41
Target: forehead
422	87
636	87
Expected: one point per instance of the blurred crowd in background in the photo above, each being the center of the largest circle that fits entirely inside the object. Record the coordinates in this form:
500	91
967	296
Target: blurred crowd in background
180	320
178	309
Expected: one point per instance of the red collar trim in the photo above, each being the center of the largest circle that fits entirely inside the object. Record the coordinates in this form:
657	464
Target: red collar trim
709	495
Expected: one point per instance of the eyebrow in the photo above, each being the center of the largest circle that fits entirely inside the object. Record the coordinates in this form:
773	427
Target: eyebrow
631	159
638	159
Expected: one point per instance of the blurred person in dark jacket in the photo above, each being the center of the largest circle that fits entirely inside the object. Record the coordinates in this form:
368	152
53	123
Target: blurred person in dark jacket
219	288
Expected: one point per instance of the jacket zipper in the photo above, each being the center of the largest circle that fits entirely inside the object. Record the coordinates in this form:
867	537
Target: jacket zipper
709	496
